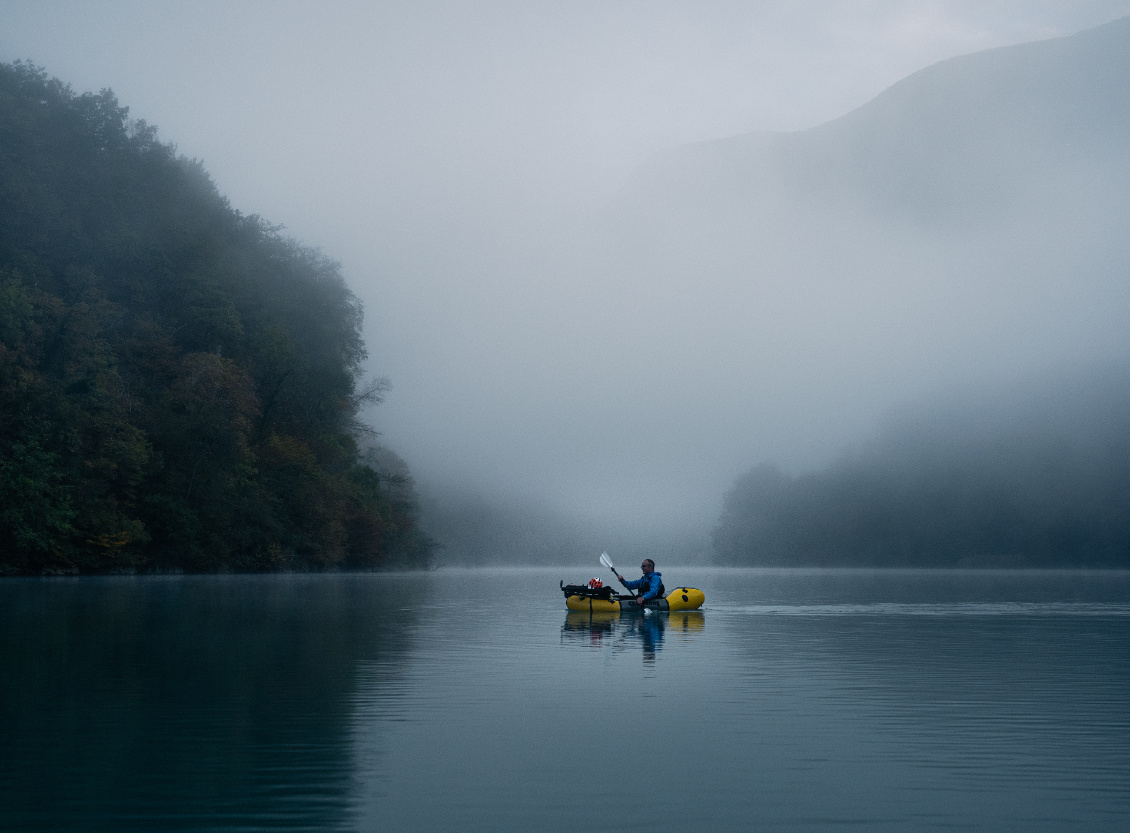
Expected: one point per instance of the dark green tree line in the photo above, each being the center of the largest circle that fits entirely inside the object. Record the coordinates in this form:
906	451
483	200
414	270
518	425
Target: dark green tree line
1037	479
179	383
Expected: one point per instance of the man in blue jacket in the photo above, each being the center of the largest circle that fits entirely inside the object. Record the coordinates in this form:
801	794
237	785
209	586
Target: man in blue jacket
650	584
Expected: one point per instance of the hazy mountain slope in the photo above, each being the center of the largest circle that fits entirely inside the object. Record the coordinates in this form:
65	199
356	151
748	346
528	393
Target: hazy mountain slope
968	224
969	220
970	136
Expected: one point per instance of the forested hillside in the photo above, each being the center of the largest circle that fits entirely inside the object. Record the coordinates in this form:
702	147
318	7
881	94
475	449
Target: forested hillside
1038	477
179	383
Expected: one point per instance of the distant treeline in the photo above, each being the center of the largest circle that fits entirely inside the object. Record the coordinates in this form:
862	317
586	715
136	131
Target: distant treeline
179	383
1036	479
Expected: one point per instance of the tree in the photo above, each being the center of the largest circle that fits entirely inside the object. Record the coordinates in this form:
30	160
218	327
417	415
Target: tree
179	383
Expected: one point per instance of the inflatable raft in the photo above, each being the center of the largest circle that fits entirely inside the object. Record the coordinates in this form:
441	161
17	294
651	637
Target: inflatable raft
603	600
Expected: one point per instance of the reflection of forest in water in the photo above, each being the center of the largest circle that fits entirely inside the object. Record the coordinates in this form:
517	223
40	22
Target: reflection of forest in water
141	701
337	702
646	630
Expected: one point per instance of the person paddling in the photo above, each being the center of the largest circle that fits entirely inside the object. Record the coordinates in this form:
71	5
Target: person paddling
650	584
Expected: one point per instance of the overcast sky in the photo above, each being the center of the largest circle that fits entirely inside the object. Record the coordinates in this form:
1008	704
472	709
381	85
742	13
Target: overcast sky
444	151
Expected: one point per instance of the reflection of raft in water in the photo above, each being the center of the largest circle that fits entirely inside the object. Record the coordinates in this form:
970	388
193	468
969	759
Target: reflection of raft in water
578	621
603	600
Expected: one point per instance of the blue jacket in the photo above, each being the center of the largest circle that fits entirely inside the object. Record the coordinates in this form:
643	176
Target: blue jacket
648	584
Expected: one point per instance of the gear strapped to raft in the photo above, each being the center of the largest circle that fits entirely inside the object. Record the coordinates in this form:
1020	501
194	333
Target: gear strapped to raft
586	592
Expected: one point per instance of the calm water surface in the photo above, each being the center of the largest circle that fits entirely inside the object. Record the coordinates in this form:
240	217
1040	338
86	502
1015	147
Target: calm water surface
471	701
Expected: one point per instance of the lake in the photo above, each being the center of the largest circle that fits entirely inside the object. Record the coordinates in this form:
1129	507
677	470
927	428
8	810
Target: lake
470	700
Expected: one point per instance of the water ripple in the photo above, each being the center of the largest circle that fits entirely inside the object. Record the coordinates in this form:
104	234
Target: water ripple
928	609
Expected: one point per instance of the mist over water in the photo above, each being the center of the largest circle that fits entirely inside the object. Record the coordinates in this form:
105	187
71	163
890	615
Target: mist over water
711	281
773	297
612	256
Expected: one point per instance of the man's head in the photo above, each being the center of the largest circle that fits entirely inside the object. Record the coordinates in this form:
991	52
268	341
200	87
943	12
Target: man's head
648	566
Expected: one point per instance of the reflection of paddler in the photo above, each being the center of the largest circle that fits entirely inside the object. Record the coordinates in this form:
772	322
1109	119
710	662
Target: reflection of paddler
651	630
683	621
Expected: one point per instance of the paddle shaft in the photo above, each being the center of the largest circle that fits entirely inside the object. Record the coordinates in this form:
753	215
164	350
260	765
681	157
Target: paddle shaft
626	587
635	596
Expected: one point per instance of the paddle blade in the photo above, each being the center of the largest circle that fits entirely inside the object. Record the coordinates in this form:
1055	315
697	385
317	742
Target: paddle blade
606	561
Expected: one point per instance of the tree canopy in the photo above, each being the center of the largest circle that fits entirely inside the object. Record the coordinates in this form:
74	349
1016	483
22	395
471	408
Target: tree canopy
180	384
1036	478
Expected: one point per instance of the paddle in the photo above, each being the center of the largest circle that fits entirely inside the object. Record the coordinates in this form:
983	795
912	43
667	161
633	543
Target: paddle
607	562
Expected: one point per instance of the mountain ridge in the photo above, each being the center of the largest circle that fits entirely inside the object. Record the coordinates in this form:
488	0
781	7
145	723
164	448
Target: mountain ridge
1063	101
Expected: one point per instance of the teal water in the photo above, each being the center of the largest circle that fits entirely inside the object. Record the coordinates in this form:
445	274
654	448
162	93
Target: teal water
800	700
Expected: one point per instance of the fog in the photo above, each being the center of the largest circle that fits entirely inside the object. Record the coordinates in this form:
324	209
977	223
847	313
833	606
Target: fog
595	307
1033	474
